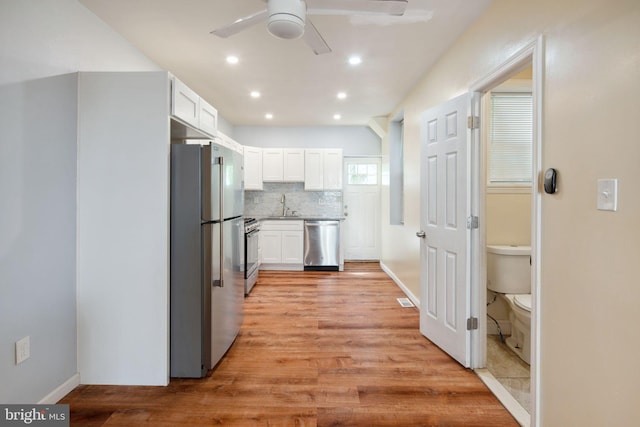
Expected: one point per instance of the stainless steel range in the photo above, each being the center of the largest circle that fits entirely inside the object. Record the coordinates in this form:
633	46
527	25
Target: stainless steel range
251	254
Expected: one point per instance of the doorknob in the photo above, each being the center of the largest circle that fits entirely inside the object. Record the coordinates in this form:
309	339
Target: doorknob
421	234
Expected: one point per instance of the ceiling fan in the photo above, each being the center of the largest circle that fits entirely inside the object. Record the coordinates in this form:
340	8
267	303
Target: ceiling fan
286	19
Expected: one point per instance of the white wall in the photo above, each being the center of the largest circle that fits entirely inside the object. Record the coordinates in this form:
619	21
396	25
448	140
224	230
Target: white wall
589	275
37	235
123	228
40	40
354	140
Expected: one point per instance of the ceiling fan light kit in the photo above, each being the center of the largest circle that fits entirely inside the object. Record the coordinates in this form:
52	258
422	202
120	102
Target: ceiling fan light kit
286	18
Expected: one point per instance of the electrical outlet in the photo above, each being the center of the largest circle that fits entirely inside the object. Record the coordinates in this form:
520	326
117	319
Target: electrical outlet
23	350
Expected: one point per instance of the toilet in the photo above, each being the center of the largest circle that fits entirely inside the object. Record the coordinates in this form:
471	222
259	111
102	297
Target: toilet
509	275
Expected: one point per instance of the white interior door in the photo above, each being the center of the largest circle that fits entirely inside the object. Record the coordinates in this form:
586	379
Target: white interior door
361	199
445	239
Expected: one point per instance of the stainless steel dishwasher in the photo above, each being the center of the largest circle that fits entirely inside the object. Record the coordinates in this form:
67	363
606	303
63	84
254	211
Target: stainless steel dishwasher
322	245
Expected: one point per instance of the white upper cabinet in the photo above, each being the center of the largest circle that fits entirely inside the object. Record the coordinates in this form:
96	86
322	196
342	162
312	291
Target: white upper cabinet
252	168
208	117
185	103
272	164
332	169
283	164
313	171
187	106
293	164
323	169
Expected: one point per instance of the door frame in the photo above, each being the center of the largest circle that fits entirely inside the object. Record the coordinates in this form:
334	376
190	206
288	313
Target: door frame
531	54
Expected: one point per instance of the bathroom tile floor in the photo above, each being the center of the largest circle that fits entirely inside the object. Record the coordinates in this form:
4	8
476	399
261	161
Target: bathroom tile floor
511	371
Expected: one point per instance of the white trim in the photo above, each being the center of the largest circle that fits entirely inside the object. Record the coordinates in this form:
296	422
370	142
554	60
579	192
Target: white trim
477	276
532	54
537	53
61	391
415	300
508	401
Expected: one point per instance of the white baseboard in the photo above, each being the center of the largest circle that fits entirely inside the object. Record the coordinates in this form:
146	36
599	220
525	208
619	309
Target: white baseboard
61	391
415	300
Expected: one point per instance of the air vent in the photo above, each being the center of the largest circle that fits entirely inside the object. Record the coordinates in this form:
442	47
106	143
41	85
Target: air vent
405	302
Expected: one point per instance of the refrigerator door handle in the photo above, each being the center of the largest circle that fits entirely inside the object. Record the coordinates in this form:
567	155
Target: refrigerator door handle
220	161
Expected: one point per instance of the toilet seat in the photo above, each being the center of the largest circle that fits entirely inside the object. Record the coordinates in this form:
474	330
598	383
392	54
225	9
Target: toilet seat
523	301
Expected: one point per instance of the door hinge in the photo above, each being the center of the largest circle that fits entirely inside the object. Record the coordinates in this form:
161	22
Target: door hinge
472	222
473	122
472	323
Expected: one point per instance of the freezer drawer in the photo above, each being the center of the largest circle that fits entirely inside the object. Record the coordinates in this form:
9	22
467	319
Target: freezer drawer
322	245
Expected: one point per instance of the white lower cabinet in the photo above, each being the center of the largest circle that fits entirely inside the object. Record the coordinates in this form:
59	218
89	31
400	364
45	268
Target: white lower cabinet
282	245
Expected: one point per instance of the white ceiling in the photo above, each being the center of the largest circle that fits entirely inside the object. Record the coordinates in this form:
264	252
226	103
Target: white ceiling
298	87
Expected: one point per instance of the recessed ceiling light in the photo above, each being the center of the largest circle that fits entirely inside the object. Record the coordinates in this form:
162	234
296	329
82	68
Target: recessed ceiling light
231	59
355	60
255	94
268	116
337	116
342	95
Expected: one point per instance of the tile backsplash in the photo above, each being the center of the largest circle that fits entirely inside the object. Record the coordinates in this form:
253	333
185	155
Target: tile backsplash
305	203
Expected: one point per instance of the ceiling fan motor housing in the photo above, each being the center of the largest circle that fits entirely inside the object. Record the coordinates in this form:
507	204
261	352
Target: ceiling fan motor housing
286	18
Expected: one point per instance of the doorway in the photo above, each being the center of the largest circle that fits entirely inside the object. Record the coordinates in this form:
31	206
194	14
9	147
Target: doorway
507	134
361	200
525	64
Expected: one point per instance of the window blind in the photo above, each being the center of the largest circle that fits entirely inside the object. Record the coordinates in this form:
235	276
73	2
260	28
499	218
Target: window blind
511	138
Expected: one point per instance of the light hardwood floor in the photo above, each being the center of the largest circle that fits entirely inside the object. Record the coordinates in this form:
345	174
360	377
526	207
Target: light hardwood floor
315	349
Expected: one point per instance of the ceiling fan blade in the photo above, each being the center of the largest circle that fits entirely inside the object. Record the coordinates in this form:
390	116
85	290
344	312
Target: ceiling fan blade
346	7
313	38
240	24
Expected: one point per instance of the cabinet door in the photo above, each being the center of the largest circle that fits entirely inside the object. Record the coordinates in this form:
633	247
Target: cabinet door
208	117
252	168
313	176
332	169
293	162
271	245
185	103
272	166
292	247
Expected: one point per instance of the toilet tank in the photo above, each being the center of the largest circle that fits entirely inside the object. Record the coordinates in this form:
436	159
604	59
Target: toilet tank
509	269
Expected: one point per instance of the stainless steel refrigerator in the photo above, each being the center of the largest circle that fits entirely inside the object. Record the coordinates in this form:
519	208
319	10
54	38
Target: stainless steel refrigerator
207	255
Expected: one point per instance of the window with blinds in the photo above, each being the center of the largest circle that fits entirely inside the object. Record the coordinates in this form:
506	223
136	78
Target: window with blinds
511	136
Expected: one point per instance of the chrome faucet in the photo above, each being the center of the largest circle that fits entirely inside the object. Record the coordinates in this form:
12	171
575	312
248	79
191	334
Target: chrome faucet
283	200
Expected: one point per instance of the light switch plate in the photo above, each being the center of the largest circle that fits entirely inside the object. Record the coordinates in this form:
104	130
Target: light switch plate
608	194
23	349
